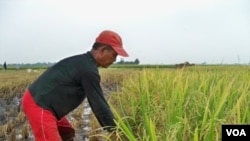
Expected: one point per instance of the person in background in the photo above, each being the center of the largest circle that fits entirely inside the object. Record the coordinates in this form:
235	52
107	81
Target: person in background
64	86
4	66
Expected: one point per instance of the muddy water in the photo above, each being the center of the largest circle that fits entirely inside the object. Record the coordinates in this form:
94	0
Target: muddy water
81	133
9	110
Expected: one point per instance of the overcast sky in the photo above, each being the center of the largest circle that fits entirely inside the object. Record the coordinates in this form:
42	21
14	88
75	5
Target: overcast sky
154	31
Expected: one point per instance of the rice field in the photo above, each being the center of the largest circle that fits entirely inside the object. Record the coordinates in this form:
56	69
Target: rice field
155	104
183	105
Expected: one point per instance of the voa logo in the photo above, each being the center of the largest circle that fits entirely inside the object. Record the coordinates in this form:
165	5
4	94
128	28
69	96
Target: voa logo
236	132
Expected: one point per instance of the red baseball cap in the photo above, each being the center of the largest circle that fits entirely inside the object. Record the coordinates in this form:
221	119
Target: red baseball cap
114	40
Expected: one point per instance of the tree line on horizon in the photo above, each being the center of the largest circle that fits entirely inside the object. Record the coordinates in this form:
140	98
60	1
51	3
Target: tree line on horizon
48	64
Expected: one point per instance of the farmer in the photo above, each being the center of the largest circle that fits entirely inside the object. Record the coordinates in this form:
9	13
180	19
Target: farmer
63	87
4	66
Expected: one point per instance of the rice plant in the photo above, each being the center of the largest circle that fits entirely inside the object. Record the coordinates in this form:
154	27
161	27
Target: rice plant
182	105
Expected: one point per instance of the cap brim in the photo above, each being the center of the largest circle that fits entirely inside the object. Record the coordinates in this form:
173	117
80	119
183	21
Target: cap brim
120	51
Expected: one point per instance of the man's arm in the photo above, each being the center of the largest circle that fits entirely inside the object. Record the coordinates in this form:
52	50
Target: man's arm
97	101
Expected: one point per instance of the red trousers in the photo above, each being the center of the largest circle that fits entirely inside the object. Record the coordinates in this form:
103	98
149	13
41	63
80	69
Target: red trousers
44	125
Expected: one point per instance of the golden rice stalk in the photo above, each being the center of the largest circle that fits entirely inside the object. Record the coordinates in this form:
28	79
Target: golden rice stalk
25	131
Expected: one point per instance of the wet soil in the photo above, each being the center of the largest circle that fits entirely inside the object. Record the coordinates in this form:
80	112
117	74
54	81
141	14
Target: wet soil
14	126
9	111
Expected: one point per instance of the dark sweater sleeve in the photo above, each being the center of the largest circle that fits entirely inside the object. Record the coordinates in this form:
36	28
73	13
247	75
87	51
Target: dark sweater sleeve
97	101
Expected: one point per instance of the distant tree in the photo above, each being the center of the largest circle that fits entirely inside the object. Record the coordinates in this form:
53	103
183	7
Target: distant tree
137	61
204	63
121	61
128	62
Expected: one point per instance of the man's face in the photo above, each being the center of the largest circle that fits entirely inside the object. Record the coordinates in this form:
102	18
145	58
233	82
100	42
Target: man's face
108	57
